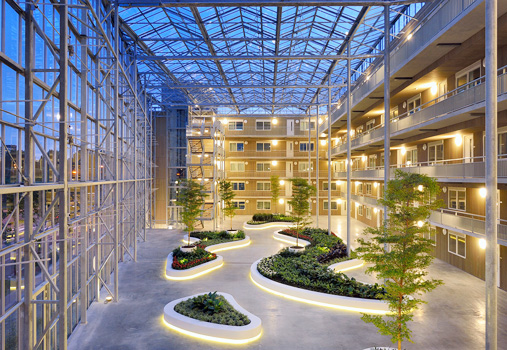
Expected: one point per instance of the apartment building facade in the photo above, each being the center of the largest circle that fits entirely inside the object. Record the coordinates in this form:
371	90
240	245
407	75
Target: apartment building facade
437	128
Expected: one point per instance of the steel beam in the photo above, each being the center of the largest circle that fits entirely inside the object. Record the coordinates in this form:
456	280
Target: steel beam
244	3
348	162
387	110
63	281
254	58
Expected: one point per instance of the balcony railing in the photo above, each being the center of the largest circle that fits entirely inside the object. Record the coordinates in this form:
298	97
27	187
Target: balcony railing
251	130
465	223
460	168
443	106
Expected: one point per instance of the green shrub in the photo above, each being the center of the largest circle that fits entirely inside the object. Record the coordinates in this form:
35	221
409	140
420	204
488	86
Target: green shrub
209	303
209	238
263	218
183	261
227	315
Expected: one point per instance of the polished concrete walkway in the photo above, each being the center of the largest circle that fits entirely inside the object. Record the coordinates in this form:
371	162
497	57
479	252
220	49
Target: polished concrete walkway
453	318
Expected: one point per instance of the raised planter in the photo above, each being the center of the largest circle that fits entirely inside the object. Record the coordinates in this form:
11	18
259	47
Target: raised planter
296	249
322	299
231	232
223	246
188	249
267	225
213	331
290	240
192	272
346	265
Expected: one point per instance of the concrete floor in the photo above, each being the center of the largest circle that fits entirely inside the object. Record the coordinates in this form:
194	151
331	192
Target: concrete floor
452	319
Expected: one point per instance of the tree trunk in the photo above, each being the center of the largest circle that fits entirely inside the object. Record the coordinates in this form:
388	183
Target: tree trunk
231	223
399	344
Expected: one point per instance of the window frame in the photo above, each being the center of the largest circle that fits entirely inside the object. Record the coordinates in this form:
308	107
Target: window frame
334	205
237	204
263	146
312	146
263	205
264	123
457	236
368	213
308	168
236	124
413	99
305	123
237	183
457	190
263	183
263	167
325	185
435	144
236	143
237	163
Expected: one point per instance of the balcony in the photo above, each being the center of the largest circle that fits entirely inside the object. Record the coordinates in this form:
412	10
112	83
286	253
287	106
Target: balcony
448	109
451	170
466	223
250	130
365	199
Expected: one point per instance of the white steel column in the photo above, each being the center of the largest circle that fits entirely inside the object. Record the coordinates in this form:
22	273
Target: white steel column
329	155
491	176
317	199
63	179
116	153
348	162
387	107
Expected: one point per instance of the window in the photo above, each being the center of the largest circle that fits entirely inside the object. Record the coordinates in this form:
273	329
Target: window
263	146
303	147
236	146
239	204
457	198
457	244
304	125
502	143
382	159
359	187
235	125
359	130
263	186
238	186
238	166
334	205
304	166
370	124
431	234
435	152
263	166
414	104
360	210
368	212
325	186
263	125
468	75
368	188
263	205
411	156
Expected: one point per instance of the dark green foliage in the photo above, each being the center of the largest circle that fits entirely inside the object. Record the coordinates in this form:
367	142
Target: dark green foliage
191	197
226	314
403	266
209	303
209	238
262	218
305	271
338	251
227	195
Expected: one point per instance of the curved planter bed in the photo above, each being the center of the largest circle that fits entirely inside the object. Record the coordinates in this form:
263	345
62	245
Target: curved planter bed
222	246
317	298
289	239
213	331
202	269
267	225
346	265
196	271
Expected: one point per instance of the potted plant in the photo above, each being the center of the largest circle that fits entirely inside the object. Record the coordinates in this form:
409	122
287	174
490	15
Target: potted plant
191	198
408	199
275	189
227	196
301	193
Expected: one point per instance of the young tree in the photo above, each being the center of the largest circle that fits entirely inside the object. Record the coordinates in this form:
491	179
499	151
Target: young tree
301	193
227	195
408	199
275	189
191	197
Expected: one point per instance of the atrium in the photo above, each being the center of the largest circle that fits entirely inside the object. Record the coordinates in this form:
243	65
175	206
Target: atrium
109	108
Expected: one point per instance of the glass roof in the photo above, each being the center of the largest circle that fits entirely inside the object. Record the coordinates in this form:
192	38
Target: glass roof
256	59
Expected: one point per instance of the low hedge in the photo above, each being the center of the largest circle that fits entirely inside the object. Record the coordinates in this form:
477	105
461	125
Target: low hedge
209	238
226	316
309	270
183	261
262	218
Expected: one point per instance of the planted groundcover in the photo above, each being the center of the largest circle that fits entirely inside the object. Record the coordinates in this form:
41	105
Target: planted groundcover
310	271
259	219
209	238
213	308
183	261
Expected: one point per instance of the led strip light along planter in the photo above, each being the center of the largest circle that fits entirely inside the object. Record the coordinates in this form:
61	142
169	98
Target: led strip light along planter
267	225
202	269
316	298
212	331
